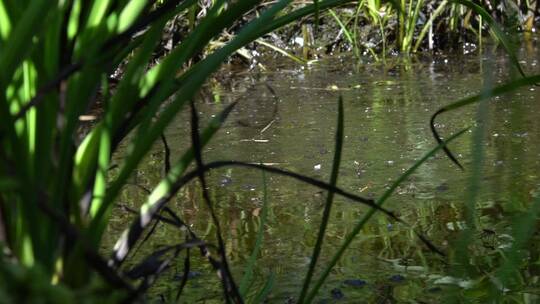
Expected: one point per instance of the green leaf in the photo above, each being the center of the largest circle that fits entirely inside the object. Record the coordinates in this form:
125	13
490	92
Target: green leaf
129	14
190	84
5	22
20	40
97	13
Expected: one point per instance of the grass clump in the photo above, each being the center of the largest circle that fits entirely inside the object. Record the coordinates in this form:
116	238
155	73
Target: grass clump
56	194
57	59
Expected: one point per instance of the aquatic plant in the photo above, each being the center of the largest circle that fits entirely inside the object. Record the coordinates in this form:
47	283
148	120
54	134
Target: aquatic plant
62	58
499	275
58	60
406	27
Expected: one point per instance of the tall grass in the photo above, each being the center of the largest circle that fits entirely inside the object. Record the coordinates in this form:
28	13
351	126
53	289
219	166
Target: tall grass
56	59
409	26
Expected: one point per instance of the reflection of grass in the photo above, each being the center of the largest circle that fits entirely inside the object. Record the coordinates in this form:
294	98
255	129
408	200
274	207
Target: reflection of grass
500	272
247	279
493	279
366	217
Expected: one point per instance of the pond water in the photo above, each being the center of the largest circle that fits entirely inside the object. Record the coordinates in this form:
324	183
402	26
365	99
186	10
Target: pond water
387	112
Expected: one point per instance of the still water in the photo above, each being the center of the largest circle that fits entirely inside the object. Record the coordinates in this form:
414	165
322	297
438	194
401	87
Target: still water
286	117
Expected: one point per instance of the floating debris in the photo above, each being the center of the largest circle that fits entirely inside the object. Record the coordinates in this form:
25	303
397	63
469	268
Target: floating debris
355	282
87	117
434	289
448	280
442	187
397	278
225	181
190	275
255	140
337	294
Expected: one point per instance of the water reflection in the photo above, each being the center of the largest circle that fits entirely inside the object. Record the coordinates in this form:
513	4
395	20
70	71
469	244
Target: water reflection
386	131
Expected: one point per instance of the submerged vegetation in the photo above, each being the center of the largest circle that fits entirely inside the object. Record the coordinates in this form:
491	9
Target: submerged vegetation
139	63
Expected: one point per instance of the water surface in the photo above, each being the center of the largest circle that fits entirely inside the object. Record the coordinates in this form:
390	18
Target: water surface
387	112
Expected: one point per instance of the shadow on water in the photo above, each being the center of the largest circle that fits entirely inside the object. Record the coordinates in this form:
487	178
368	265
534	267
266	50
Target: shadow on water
387	110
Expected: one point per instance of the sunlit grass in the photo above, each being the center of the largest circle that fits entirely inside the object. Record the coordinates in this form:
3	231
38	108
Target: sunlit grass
56	193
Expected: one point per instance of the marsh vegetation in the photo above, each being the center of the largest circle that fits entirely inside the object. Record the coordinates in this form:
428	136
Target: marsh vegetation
325	151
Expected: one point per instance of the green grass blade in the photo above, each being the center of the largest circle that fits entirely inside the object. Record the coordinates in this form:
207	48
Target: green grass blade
282	51
18	149
130	13
429	23
73	20
19	40
247	278
103	158
123	99
513	85
347	33
97	13
212	25
461	262
203	69
523	228
163	189
265	290
497	31
5	22
190	85
498	90
328	205
371	212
